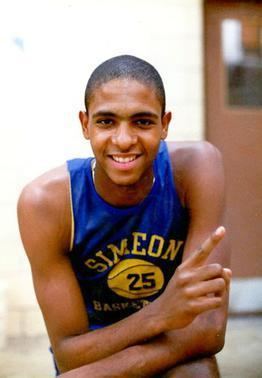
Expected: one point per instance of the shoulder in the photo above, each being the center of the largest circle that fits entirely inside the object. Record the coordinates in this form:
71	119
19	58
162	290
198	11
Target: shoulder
45	203
46	191
187	154
196	165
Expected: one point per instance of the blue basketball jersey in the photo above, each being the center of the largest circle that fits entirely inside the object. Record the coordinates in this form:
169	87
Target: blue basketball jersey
124	257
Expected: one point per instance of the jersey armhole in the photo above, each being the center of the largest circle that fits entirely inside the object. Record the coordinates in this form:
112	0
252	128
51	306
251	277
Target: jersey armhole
175	183
72	233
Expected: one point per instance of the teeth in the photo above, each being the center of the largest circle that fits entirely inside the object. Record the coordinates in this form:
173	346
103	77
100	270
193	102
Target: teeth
123	159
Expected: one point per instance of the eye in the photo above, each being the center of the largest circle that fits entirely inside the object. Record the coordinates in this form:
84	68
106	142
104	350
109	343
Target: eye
144	122
105	122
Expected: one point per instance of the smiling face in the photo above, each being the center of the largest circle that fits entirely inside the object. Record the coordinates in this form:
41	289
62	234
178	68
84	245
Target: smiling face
125	125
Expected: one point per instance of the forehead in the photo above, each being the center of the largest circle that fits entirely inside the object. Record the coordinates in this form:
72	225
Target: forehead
124	93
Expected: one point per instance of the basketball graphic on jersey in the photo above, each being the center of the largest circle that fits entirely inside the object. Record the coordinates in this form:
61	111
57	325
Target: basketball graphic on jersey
135	278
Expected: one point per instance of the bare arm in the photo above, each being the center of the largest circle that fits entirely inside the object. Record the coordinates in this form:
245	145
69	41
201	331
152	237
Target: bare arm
64	312
205	335
44	220
162	352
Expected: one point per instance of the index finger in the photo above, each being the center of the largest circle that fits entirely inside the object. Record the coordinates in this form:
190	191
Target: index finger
201	254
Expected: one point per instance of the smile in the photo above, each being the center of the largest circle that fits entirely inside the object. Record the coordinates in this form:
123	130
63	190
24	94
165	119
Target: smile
123	160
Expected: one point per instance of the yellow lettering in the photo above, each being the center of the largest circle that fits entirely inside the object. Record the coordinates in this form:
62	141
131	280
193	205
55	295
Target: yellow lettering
116	306
92	264
155	240
103	257
137	243
172	249
119	252
107	307
124	305
124	247
97	306
136	305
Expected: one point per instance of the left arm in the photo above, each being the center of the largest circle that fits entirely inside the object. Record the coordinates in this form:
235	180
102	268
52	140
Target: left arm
201	183
203	192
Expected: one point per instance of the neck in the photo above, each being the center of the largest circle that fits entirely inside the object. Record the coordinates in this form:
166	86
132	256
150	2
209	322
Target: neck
123	195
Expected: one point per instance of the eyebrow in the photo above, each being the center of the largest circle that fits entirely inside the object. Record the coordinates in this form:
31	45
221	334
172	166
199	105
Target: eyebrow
145	114
103	114
135	115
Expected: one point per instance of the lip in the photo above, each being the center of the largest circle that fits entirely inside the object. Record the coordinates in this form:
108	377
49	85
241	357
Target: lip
124	162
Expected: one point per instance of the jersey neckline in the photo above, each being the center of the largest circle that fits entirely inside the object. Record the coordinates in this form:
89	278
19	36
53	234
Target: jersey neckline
117	209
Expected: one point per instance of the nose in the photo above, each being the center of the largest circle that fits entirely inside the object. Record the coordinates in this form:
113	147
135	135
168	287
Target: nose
124	137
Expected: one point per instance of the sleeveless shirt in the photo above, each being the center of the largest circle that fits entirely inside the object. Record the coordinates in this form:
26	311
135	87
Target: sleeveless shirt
124	257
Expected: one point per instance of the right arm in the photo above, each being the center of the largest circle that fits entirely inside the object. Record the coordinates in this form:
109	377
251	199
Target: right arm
44	220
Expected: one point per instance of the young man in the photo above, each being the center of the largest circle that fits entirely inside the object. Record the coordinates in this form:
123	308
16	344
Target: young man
113	241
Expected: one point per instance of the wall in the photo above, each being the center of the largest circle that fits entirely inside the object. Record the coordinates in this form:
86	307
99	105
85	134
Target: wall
48	49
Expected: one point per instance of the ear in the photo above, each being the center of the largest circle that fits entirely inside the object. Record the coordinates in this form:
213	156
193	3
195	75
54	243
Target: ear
83	117
165	123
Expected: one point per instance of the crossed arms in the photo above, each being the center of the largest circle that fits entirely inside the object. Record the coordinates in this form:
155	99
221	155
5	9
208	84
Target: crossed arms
167	335
186	322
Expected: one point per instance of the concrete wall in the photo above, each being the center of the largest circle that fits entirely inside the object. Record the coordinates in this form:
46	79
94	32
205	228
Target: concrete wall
48	49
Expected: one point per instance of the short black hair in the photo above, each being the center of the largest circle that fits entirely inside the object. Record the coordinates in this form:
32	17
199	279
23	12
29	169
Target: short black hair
126	66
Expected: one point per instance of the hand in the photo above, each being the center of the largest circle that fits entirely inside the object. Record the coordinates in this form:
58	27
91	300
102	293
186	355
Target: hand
195	287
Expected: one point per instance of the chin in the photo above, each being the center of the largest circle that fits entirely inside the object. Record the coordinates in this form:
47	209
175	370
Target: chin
124	181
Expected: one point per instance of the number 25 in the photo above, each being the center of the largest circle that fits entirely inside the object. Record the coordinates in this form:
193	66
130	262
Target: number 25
141	281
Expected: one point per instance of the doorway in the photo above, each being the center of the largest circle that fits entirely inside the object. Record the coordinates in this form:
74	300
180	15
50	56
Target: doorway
233	80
